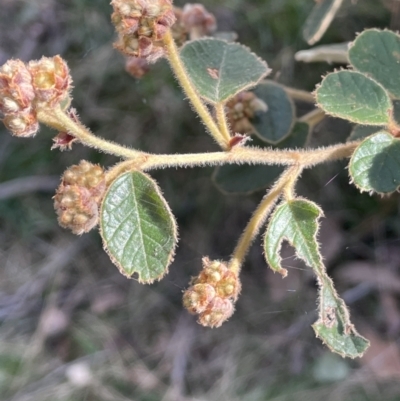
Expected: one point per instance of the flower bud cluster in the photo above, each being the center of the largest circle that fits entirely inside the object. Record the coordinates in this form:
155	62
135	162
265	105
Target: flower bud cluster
141	26
192	21
78	197
197	21
24	88
212	294
242	109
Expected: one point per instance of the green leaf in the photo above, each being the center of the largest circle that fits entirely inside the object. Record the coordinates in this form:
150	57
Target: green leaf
319	20
245	179
297	222
377	53
276	123
219	70
137	227
363	131
375	164
354	97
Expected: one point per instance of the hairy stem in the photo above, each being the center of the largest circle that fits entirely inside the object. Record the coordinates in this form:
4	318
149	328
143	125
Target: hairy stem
239	155
297	94
222	123
289	188
183	78
58	119
287	178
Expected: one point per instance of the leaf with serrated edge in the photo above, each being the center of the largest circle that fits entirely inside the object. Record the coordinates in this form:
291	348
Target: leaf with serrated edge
375	164
354	97
277	122
138	228
219	70
377	54
297	222
319	20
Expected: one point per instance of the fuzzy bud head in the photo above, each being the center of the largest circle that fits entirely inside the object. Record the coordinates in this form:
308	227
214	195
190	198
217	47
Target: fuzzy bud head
141	25
51	79
78	197
198	297
229	286
16	89
242	109
218	311
213	271
213	293
137	67
198	21
76	209
22	124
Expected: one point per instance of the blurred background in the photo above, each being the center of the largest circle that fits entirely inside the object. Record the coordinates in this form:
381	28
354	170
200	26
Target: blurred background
72	328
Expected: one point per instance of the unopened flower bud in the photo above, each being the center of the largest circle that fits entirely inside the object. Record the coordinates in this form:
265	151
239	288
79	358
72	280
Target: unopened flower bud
213	271
136	66
16	89
229	286
198	21
217	312
197	297
51	80
22	124
141	25
242	109
212	293
78	197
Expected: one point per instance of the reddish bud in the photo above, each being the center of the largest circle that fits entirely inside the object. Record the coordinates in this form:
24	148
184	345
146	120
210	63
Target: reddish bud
141	25
198	21
217	312
63	141
136	66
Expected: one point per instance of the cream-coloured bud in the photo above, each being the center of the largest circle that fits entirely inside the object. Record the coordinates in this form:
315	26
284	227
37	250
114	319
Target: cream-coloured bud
51	80
9	105
197	297
24	124
218	311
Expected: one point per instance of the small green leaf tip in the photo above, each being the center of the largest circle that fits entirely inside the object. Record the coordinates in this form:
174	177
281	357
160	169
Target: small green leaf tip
219	70
138	229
